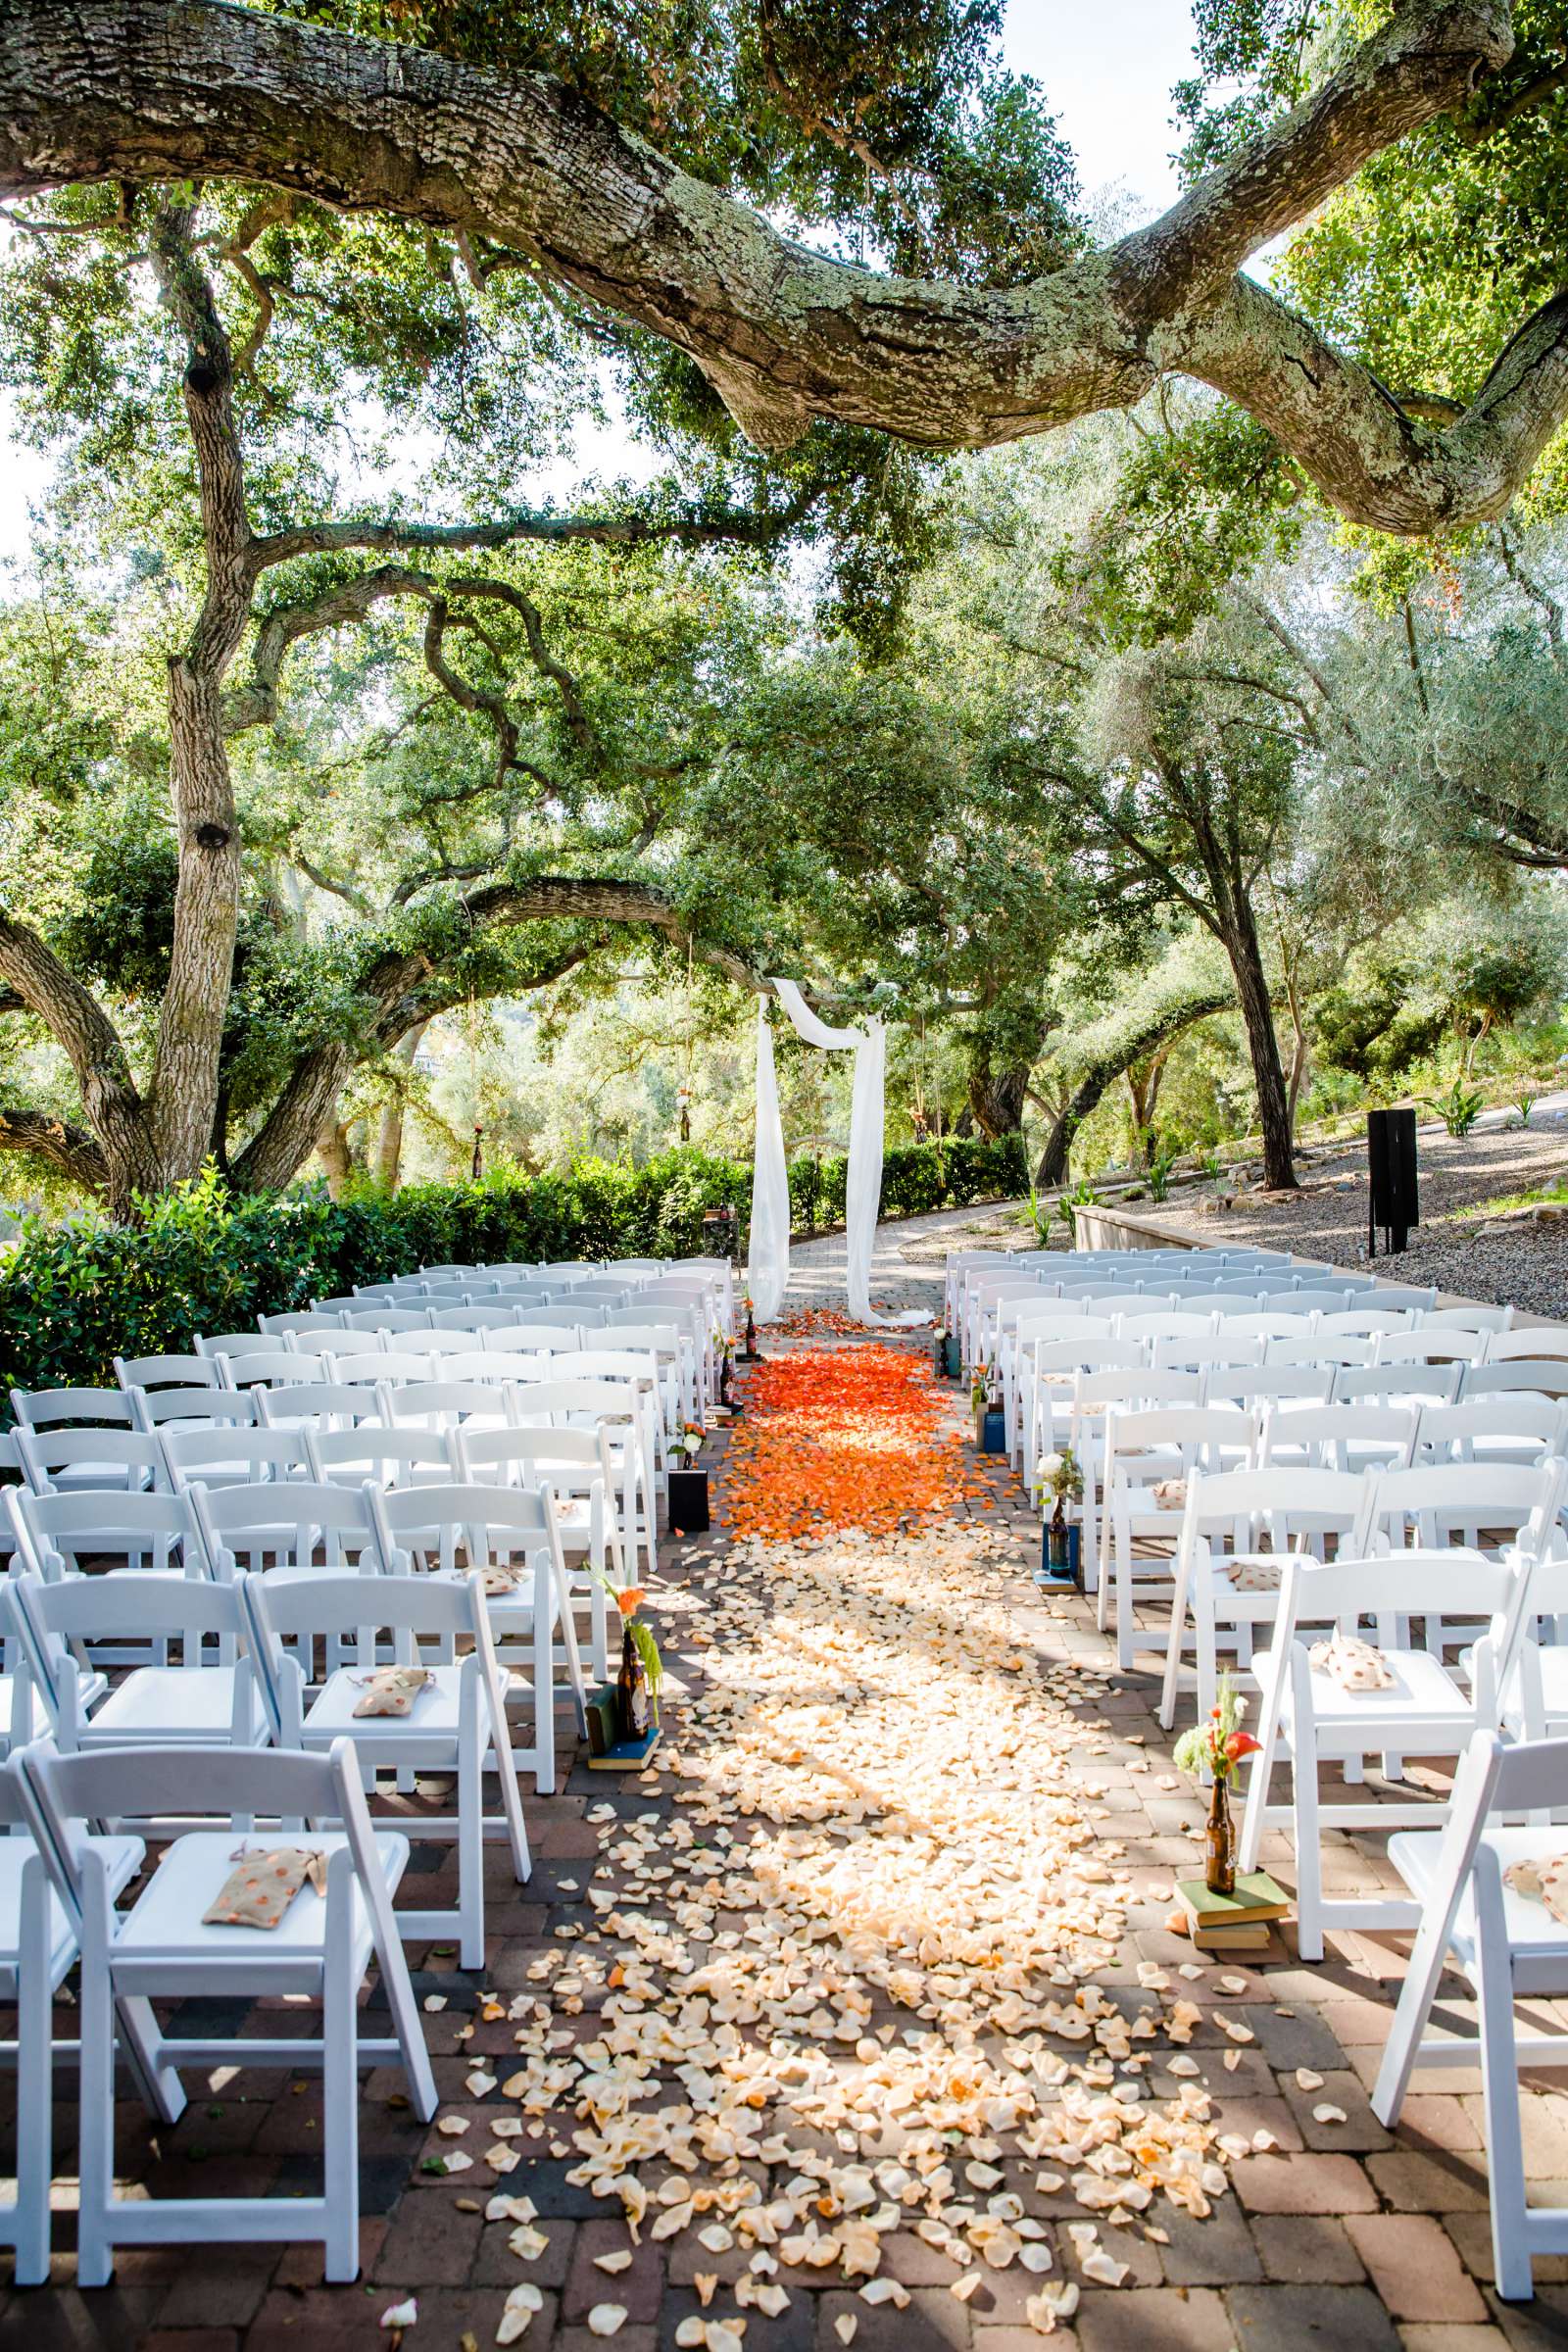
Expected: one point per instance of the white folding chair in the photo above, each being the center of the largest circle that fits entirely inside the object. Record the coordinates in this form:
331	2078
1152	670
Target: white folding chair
1317	1351
1510	1948
280	1525
1053	1368
480	1315
37	1951
360	1369
210	1697
576	1466
1256	1386
1308	1720
457	1722
1365	1323
1216	1354
1515	1427
1238	1528
1427	1347
1151	1454
511	1536
1493	1505
1471	1317
162	1949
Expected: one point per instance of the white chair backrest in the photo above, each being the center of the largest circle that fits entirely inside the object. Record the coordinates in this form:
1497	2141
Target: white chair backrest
479	1316
1366	1322
1428	1347
235	1343
490	1366
72	1408
552	1402
527	1336
107	1460
1337	1436
58	1620
1309	1301
1472	1316
316	1404
1212	1354
380	1319
282	1525
269	1367
1540	1340
1132	1389
373	1454
1226	1303
166	1372
157	1408
569	1461
1319	1350
1087	1353
1165	1323
385	1368
226	1457
1438	1504
1270	1383
490	1525
1543	1376
1273	1323
1392	1383
1178	1438
321	1309
58	1535
299	1326
1432	1584
1517	1427
442	1403
1291	1506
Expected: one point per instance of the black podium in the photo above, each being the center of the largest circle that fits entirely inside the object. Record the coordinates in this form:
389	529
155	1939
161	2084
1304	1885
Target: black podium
1394	1202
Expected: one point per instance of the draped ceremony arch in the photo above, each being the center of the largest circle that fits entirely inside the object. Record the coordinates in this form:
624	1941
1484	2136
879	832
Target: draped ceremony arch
768	1260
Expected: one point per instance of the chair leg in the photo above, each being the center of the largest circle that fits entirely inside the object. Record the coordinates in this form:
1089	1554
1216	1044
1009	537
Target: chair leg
340	2100
544	1685
34	2085
471	1849
1499	2090
95	2248
1309	1846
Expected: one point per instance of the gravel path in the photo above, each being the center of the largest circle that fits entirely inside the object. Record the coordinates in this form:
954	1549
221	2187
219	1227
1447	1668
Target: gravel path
1522	1262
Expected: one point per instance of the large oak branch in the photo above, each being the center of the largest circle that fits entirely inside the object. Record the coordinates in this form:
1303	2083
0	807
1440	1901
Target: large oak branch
133	90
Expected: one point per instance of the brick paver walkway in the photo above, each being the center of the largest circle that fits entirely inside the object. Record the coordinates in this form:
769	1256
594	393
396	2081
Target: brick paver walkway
873	1738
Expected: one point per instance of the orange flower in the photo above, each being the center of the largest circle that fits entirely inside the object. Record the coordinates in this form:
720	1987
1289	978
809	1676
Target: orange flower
629	1601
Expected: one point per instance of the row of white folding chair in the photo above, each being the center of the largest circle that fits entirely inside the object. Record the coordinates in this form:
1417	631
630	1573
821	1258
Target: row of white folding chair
1056	1364
304	1528
1064	1264
1328	1304
1443	1507
68	1879
245	1436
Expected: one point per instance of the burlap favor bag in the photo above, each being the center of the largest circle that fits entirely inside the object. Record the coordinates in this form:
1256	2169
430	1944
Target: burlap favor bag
1543	1881
391	1689
263	1884
1170	1493
499	1580
1354	1664
1254	1576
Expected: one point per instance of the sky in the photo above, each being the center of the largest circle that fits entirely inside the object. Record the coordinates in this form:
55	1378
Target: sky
1106	71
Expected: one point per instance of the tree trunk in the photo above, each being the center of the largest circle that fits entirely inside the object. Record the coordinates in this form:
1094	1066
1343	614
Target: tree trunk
387	1162
1300	1065
1143	1084
182	1095
332	1147
997	1096
1262	1043
1161	1026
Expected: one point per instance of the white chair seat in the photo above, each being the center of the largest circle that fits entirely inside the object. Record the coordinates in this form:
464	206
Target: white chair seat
166	1920
123	1858
167	1702
435	1709
1422	1692
1530	1926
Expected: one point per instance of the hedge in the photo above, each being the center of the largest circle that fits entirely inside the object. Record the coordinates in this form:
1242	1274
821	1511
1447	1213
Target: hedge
72	1297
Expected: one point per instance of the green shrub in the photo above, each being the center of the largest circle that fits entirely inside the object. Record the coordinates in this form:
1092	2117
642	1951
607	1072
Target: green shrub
72	1297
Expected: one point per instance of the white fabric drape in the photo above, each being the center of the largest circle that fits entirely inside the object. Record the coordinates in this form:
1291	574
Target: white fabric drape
768	1256
769	1260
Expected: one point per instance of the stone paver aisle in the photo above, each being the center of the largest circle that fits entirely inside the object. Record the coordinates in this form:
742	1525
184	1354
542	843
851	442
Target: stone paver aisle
855	2021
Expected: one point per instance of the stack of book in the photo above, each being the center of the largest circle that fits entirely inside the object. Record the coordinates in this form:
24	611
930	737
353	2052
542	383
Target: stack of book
1232	1923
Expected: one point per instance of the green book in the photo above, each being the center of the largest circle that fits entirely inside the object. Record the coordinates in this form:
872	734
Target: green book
604	1728
1256	1897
